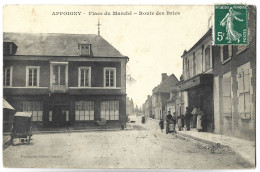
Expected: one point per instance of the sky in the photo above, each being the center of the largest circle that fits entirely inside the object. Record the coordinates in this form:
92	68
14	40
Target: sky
153	43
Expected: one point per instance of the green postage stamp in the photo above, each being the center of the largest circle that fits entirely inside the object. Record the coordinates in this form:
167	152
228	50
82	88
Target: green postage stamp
230	25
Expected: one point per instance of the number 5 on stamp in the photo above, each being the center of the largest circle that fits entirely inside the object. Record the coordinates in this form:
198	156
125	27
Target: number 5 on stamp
230	25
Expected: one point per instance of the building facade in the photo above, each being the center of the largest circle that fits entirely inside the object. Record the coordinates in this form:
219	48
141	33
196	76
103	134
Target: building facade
65	79
235	86
147	107
221	80
161	94
196	88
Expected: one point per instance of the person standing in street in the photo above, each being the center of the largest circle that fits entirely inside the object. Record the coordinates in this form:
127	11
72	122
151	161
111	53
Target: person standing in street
187	118
199	120
169	120
161	123
194	117
179	122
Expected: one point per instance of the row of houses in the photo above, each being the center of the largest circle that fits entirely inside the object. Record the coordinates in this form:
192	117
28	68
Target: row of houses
221	80
64	80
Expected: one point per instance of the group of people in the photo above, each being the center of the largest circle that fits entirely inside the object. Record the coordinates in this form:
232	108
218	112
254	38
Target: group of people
193	118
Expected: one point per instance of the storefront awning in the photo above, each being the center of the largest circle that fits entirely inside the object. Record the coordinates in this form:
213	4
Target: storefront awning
198	80
6	105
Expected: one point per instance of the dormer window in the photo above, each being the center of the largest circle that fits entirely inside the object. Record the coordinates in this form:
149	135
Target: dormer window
9	48
85	49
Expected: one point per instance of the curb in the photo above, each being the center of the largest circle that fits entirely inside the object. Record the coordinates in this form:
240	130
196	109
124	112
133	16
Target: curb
216	145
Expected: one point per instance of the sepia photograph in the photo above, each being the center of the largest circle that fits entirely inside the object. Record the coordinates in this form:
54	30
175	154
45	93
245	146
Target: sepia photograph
129	86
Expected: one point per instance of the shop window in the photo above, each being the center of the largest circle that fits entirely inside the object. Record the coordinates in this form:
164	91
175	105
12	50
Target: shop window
84	111
34	107
110	110
7	76
244	81
226	97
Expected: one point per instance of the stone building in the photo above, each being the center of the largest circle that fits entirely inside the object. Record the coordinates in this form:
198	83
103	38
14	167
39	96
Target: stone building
65	79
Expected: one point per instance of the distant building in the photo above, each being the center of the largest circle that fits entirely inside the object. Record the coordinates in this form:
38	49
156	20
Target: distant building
147	107
129	106
161	94
65	79
171	103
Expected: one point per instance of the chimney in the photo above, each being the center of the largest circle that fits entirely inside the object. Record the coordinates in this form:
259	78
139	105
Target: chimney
148	96
164	76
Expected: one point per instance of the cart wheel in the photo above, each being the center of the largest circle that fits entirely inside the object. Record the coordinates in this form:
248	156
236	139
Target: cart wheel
22	140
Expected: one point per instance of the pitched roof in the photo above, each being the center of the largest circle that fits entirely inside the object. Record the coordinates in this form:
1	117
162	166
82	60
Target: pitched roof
167	85
60	44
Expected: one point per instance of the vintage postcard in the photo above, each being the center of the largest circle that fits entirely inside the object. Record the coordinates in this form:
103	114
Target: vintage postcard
129	86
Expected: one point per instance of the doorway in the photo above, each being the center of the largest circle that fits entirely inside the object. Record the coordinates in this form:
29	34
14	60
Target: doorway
60	115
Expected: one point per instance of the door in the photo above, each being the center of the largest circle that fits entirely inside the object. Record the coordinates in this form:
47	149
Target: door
59	116
207	108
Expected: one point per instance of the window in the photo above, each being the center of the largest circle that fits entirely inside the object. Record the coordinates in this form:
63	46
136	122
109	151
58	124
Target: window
50	115
68	116
32	76
85	49
187	68
244	83
226	92
59	74
84	79
190	68
7	48
84	111
207	58
7	78
110	110
194	62
225	53
34	107
241	48
109	77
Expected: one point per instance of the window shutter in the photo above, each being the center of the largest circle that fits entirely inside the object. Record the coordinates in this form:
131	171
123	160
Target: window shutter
240	82
226	86
246	80
241	105
227	106
226	91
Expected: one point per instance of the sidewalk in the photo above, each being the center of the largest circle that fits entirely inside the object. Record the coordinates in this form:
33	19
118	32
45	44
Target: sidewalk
242	148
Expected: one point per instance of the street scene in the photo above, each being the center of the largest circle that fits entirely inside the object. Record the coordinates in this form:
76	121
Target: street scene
172	87
139	146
